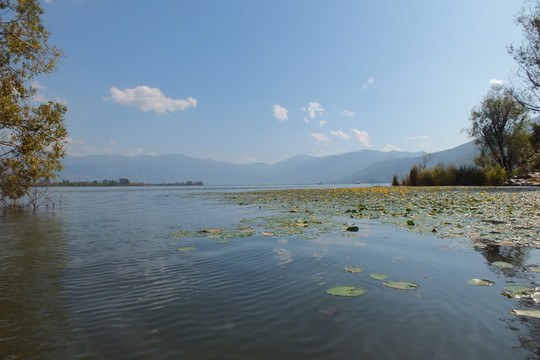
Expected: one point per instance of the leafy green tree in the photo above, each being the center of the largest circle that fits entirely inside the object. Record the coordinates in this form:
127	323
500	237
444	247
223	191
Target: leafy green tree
32	135
498	126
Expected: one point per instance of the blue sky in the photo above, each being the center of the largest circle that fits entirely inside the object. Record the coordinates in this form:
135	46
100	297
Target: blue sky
250	80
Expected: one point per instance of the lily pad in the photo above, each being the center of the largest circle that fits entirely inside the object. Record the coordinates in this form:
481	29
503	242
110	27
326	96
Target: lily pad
480	282
517	292
378	276
502	264
530	313
401	285
210	231
346	290
410	223
536	297
222	241
535	268
354	269
353	228
184	233
186	249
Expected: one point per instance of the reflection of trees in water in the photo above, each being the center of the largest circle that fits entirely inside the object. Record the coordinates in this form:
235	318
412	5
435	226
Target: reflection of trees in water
527	329
33	319
527	332
514	255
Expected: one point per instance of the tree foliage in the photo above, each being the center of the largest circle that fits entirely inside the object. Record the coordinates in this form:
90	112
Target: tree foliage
498	126
527	55
32	135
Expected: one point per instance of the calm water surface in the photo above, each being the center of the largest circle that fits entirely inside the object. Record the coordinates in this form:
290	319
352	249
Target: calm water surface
100	278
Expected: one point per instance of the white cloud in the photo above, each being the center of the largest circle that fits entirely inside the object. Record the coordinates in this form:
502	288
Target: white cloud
361	136
135	152
73	141
247	159
43	95
312	111
37	85
348	113
354	134
340	134
40	97
421	137
496	82
280	112
368	83
150	99
389	148
61	101
322	123
319	137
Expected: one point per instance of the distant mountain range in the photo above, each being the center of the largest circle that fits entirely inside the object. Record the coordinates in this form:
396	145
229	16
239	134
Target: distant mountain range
365	166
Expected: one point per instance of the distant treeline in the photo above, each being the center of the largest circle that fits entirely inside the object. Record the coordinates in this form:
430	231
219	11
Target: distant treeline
119	182
441	175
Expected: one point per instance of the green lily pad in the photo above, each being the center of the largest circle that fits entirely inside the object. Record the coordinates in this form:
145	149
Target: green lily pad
354	269
186	249
346	290
517	292
353	228
222	241
503	264
402	285
410	223
530	313
480	282
378	276
184	233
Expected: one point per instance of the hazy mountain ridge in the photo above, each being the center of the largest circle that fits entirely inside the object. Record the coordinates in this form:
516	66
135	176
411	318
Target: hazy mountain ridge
361	166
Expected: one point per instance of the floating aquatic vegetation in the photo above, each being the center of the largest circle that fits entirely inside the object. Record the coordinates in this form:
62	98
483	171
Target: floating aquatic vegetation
354	269
210	231
402	285
517	292
185	233
222	241
240	231
534	268
486	215
378	276
346	290
502	264
530	313
186	249
288	225
353	228
480	282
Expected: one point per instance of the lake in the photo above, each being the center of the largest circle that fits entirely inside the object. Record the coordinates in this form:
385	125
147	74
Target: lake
103	276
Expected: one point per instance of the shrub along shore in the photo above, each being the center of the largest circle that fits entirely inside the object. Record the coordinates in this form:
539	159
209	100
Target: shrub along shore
451	175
